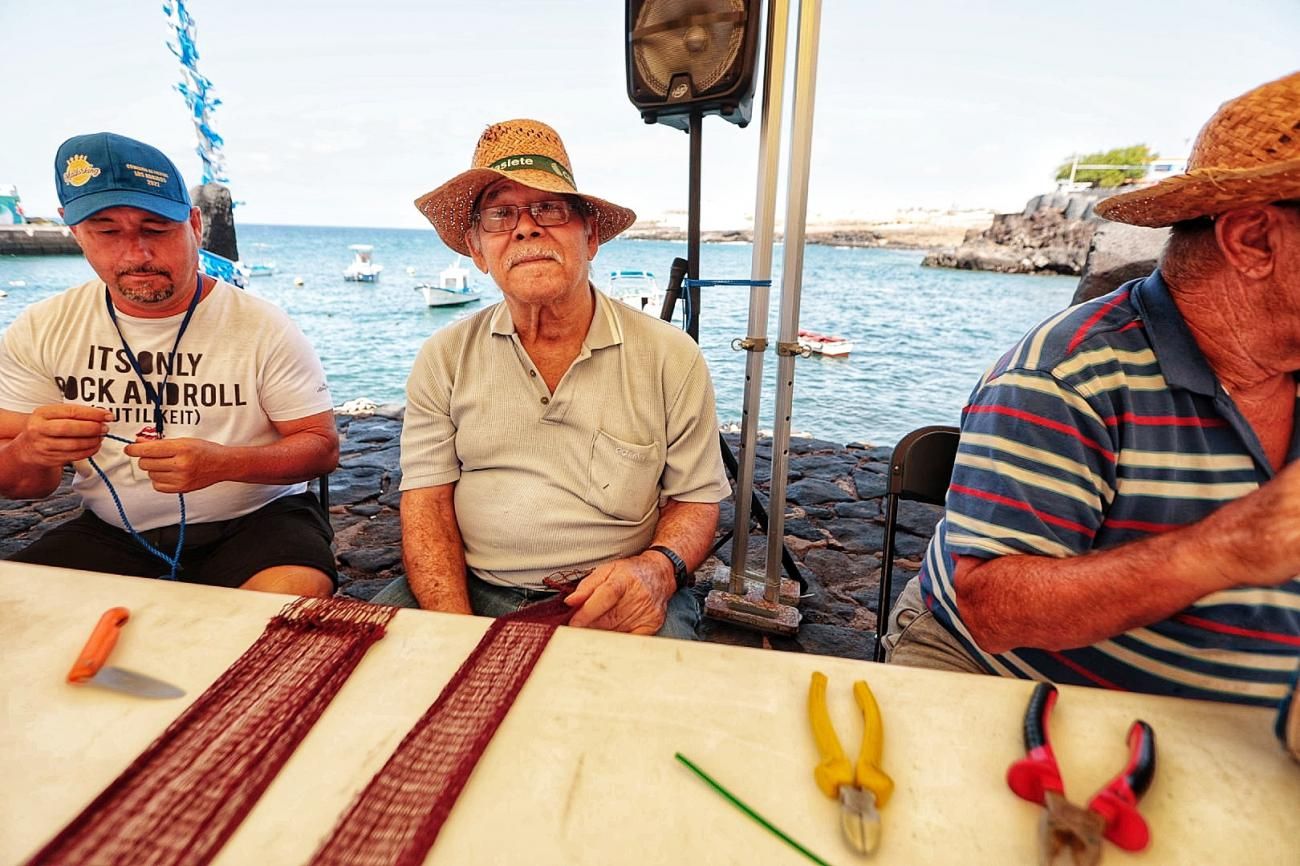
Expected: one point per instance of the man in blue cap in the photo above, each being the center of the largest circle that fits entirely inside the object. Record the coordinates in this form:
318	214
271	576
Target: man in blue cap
192	412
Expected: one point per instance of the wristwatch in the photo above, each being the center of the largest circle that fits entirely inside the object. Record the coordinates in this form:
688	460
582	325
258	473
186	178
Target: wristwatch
680	575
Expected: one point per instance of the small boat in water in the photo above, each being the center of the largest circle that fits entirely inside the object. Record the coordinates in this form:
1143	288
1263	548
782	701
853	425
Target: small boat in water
636	288
363	268
261	266
452	289
824	344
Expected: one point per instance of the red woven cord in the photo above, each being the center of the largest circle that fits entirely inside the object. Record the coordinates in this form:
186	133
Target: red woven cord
396	818
184	796
553	611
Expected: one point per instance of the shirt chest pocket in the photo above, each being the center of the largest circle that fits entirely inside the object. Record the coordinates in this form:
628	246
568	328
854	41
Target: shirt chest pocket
623	477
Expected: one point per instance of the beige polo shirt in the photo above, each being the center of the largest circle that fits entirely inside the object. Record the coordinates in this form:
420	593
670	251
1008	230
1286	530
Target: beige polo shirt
546	481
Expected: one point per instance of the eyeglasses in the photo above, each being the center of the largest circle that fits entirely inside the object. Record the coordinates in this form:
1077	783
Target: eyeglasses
504	217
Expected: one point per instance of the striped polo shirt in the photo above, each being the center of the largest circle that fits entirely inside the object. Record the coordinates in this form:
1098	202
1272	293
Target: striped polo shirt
1104	425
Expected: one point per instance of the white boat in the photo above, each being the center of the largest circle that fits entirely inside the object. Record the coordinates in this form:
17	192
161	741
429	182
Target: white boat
363	268
825	344
638	289
261	266
452	289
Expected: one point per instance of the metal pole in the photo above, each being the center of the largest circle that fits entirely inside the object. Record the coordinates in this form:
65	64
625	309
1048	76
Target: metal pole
769	154
796	212
693	229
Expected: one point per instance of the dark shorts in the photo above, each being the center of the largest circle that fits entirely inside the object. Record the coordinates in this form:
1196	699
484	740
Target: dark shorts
292	530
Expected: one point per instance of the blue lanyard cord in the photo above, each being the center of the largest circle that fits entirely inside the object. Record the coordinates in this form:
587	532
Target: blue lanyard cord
175	559
155	396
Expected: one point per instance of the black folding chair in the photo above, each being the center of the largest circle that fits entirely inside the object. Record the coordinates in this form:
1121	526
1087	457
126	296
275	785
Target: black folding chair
920	470
323	491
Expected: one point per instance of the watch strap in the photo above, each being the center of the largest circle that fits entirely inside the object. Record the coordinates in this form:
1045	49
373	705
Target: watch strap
680	575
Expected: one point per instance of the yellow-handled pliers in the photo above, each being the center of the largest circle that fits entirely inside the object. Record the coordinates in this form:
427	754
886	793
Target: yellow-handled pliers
863	788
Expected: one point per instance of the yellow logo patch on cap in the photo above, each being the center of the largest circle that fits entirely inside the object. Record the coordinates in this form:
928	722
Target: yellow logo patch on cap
79	171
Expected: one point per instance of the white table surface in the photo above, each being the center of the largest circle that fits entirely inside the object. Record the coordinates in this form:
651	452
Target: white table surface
582	770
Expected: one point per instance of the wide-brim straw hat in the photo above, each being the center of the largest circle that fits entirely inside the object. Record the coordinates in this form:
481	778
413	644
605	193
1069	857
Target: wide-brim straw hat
1247	154
527	152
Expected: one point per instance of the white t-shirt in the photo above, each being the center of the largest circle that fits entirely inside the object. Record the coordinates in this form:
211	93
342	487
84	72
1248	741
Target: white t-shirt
241	364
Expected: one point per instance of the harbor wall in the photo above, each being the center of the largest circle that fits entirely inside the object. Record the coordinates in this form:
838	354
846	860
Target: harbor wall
37	240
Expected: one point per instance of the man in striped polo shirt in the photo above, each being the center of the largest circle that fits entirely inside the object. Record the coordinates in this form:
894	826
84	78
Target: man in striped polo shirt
1125	507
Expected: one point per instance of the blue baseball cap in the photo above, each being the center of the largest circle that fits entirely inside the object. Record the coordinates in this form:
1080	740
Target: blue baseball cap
103	170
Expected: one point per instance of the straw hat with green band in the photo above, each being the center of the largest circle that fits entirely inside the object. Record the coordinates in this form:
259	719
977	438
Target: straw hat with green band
527	152
1247	154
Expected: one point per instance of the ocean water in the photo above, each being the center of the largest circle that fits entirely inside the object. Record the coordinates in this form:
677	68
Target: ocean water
922	336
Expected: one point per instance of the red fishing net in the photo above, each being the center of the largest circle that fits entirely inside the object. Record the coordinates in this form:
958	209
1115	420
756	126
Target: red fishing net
396	818
179	802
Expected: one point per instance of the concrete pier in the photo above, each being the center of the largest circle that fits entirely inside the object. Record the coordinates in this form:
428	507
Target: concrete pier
37	240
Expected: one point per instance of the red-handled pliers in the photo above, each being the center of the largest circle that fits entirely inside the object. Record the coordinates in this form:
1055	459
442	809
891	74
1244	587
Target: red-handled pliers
1069	834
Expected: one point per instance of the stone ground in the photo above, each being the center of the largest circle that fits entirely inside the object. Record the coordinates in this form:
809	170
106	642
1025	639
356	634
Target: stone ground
834	528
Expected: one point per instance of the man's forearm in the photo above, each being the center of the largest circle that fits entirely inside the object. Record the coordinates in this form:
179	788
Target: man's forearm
293	458
687	528
19	480
432	549
1049	603
35	446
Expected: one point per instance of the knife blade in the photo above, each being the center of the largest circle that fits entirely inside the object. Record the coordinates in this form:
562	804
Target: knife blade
89	667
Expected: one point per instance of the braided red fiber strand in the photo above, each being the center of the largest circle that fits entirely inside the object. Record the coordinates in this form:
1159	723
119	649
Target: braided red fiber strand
396	818
184	796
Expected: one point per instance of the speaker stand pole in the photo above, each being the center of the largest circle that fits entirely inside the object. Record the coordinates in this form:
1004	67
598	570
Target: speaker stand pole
796	213
750	599
755	344
693	229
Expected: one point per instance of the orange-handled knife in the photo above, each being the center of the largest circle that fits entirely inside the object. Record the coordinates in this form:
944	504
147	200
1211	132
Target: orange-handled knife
89	667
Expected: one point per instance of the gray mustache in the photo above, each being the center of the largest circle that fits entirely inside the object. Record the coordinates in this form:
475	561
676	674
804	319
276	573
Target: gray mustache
520	255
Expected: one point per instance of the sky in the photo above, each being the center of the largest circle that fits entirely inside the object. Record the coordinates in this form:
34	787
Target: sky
341	113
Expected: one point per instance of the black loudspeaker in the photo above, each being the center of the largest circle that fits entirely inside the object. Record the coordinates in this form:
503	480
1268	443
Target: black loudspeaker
687	56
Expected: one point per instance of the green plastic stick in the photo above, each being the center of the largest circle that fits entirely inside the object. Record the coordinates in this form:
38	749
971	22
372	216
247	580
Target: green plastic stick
740	804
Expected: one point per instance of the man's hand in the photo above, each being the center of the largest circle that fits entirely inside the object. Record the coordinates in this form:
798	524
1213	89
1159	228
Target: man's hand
1258	535
628	595
61	433
1054	604
179	465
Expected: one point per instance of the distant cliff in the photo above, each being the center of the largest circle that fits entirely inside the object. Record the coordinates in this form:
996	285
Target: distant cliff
1051	236
916	231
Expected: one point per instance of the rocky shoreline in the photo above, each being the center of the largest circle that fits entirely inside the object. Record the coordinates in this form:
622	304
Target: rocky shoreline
1052	235
834	528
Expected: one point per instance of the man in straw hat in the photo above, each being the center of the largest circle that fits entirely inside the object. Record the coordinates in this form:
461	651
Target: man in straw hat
557	430
1125	506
